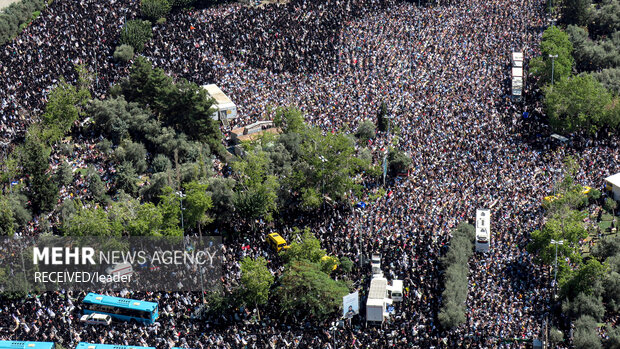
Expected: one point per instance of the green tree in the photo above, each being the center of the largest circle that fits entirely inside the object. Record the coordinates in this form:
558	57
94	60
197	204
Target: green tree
256	280
576	12
257	195
365	131
308	249
154	9
307	292
382	118
7	221
555	335
398	161
123	53
88	220
554	42
614	337
64	174
583	279
170	207
577	103
148	221
198	203
95	186
62	110
136	33
610	205
585	336
34	161
290	119
584	304
126	178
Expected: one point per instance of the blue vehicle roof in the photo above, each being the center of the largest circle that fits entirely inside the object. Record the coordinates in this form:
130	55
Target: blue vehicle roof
25	345
127	303
83	345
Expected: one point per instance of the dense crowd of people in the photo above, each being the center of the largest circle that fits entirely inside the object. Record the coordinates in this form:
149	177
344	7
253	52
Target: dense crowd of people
443	73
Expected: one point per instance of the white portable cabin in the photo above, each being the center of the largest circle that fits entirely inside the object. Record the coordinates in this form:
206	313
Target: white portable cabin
517	72
225	109
483	230
612	183
375	264
517	59
517	87
396	290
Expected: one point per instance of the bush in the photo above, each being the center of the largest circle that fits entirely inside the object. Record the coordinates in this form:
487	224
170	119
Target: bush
555	335
585	305
136	33
154	9
123	53
16	16
365	131
585	336
610	205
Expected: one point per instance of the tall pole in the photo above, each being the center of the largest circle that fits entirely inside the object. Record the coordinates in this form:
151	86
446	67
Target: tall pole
553	57
555	273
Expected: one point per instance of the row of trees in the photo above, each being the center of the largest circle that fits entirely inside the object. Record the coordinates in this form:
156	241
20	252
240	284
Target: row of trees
573	102
456	264
16	16
587	286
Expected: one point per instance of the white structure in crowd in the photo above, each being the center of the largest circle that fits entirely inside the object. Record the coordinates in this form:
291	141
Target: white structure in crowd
381	294
225	109
517	75
612	183
483	230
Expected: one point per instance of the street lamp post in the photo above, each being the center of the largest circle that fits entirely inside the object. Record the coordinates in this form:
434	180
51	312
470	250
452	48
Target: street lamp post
555	274
323	161
553	57
333	329
181	195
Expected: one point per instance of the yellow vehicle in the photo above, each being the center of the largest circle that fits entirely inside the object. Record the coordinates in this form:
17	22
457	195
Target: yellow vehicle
547	199
277	242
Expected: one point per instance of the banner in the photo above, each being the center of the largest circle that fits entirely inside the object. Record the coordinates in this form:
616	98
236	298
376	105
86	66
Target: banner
350	305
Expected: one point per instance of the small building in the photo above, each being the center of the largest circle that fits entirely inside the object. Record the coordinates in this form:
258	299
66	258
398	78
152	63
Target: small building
612	183
225	109
252	131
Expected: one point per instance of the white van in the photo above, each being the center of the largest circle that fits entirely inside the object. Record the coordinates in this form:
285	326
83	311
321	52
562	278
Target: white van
96	319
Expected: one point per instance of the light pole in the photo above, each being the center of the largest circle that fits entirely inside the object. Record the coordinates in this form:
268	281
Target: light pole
553	57
555	274
181	196
333	329
323	161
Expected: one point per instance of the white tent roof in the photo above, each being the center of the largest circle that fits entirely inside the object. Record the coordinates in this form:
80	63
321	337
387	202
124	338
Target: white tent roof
614	180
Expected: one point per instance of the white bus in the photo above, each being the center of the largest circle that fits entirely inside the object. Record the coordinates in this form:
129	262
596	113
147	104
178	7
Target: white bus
483	230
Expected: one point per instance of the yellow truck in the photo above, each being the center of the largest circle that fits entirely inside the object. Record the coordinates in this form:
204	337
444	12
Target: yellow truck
277	242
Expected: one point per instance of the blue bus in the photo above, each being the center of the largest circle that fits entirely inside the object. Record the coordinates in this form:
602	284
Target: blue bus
83	345
122	309
26	345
